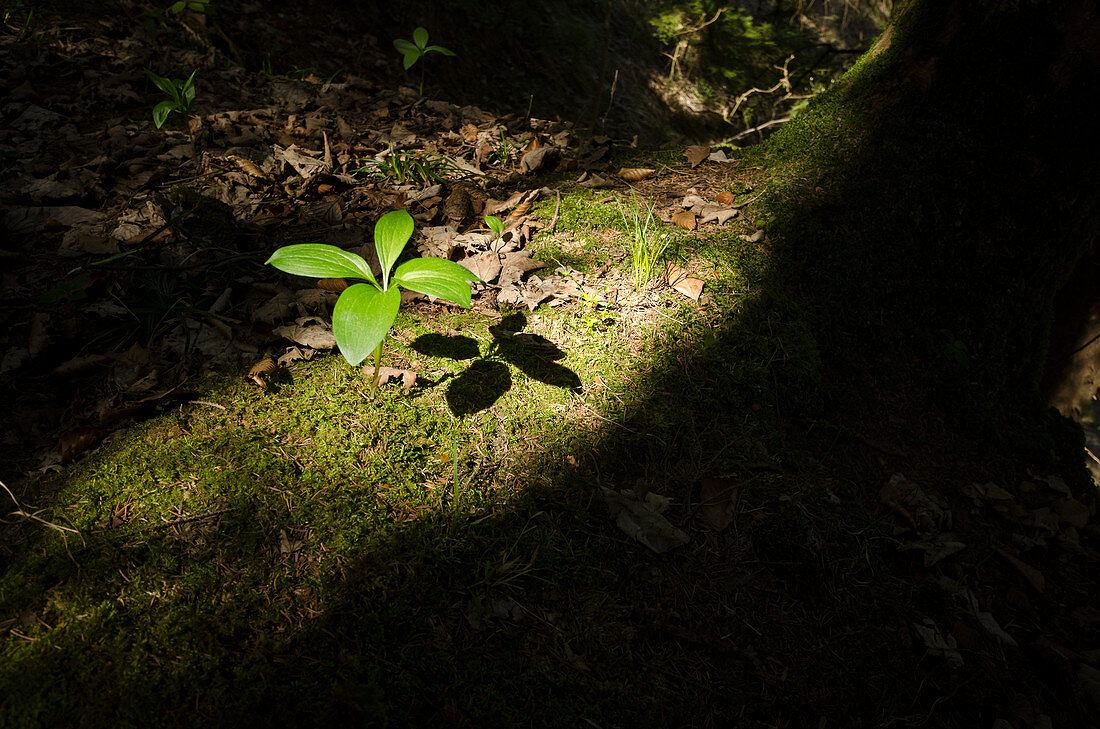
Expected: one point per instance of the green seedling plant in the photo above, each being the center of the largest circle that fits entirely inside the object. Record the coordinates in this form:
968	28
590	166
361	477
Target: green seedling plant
495	224
416	166
501	153
416	49
195	6
648	243
181	95
365	312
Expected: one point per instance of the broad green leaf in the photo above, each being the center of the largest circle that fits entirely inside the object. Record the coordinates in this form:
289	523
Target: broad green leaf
189	89
362	317
161	112
436	277
320	261
391	233
440	49
411	57
177	7
162	83
403	46
495	224
420	38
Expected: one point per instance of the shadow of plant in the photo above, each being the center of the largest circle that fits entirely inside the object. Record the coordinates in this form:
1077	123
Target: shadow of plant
489	377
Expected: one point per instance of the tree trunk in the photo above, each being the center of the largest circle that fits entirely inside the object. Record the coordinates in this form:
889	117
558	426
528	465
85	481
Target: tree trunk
946	193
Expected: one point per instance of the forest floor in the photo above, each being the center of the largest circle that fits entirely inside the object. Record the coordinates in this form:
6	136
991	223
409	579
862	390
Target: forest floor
588	500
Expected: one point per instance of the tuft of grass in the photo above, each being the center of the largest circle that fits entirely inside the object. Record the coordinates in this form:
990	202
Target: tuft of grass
647	242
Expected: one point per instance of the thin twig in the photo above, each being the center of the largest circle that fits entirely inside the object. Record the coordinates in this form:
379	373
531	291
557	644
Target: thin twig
557	208
760	127
169	524
20	511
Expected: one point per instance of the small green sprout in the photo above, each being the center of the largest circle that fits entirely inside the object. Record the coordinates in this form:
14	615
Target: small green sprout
413	51
181	93
365	312
495	224
501	153
411	166
197	6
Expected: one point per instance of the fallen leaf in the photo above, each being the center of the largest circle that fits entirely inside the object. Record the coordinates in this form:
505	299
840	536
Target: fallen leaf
96	244
250	168
1073	512
726	197
633	174
39	337
685	219
718	214
80	365
718	499
539	159
469	133
385	374
680	280
936	547
593	182
287	545
991	626
293	354
492	207
642	519
335	285
696	155
263	367
1033	576
937	644
308	331
485	266
457	207
76	440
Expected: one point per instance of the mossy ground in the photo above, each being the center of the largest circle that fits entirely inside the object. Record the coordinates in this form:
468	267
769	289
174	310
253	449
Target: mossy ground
230	539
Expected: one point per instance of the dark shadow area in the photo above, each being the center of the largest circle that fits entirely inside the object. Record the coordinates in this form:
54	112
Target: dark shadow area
478	387
488	378
901	327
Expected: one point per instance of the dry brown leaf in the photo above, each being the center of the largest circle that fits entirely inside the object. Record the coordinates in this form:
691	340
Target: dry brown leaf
457	206
336	285
532	146
1073	512
469	133
485	266
518	213
492	207
680	280
80	365
633	174
726	197
696	155
263	367
718	497
76	440
685	219
39	337
385	374
308	331
1033	576
542	158
250	168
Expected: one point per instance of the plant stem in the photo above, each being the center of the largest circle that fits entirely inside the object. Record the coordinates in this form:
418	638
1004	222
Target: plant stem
377	366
